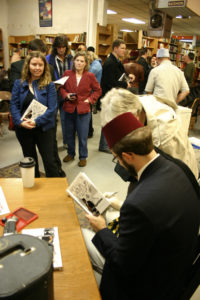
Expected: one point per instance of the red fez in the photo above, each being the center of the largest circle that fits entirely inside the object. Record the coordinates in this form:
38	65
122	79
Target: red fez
119	127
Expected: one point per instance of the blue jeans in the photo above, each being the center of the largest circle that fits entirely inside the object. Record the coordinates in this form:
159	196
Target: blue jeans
62	120
102	143
80	124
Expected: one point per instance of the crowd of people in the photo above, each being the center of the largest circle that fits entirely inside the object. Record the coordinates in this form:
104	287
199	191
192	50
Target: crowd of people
148	256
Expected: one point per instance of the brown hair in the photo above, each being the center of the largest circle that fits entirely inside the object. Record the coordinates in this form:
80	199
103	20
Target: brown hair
117	43
138	141
81	53
45	78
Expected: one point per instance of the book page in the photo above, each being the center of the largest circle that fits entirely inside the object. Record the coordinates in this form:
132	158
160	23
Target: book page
62	80
124	77
83	191
50	235
35	110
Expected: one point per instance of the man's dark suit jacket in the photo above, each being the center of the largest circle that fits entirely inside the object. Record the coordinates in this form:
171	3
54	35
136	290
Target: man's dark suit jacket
16	70
142	61
158	229
112	71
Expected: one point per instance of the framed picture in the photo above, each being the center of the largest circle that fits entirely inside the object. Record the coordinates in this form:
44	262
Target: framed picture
45	13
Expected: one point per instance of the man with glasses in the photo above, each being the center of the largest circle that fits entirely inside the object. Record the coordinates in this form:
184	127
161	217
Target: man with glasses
158	223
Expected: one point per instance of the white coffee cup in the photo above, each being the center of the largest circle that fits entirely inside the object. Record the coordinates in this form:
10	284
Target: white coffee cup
27	167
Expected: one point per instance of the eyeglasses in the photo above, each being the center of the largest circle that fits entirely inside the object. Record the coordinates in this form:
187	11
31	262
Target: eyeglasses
115	159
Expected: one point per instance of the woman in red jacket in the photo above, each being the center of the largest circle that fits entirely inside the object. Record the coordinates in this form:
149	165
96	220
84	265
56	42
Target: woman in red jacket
80	90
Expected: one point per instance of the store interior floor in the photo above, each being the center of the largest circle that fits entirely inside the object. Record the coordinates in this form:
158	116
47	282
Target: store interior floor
99	165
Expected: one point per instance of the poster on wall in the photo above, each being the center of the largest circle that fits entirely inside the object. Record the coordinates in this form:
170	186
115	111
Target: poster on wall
45	13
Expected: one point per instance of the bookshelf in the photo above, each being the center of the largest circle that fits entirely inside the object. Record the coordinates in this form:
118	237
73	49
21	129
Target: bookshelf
19	42
1	50
74	40
131	40
183	49
148	42
104	39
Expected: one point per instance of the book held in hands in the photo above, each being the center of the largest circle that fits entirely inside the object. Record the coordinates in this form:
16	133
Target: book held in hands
34	110
85	193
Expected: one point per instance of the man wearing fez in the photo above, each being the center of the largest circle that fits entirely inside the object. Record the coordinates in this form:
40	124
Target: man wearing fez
158	223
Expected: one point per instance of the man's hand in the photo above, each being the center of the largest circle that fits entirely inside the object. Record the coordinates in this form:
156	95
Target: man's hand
131	78
97	223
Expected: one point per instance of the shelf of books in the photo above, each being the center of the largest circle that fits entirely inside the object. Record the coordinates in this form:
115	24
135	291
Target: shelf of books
1	50
183	49
19	42
131	40
147	42
76	39
104	39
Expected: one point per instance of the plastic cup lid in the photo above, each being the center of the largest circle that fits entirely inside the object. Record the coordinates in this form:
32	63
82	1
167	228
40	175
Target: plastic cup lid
27	162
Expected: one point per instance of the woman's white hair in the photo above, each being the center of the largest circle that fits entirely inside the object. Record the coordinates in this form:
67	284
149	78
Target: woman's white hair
117	102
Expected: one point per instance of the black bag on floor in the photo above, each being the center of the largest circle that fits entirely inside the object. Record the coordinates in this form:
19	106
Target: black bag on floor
26	270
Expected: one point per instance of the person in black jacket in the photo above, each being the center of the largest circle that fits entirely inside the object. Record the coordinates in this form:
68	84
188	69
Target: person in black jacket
113	69
143	62
151	257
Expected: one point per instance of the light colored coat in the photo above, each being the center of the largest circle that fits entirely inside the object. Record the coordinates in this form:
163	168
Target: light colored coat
169	129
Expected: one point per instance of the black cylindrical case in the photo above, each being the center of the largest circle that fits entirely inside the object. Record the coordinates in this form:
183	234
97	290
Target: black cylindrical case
26	269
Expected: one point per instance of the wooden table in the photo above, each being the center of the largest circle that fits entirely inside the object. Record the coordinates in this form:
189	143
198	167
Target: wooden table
49	200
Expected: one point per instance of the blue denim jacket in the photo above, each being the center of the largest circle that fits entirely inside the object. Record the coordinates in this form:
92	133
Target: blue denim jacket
47	96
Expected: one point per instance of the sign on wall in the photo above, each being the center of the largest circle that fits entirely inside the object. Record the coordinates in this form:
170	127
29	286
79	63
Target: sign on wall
45	13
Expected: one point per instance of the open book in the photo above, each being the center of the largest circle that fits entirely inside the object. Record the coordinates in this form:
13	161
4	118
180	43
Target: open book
84	192
34	110
124	77
50	235
62	80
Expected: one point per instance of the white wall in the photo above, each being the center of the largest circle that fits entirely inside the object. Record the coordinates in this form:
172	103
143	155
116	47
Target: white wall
69	16
21	17
3	26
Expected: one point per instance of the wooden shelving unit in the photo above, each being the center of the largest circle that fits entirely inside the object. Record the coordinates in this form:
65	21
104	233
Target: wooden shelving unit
19	42
183	49
148	42
131	39
74	39
104	40
1	50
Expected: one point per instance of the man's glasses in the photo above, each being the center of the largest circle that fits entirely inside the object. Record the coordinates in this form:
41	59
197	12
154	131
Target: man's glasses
115	159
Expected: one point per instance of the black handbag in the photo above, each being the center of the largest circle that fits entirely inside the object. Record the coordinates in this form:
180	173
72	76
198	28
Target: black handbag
26	268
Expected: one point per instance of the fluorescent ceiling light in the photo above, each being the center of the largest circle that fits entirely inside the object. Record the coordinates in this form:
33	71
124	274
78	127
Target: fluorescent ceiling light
179	17
133	20
111	12
126	30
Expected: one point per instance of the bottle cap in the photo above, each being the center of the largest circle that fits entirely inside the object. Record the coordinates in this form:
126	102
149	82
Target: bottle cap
27	162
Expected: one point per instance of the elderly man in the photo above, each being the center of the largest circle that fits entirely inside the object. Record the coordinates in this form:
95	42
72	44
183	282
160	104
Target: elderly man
166	81
169	131
151	256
